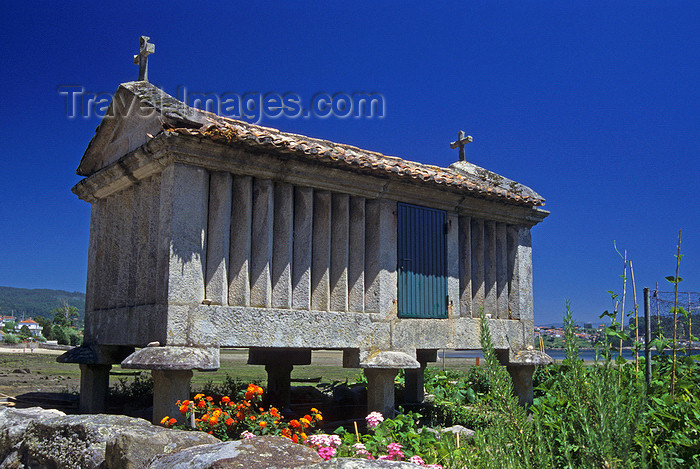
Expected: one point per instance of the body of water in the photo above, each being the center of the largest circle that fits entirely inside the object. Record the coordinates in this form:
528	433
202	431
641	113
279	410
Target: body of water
556	354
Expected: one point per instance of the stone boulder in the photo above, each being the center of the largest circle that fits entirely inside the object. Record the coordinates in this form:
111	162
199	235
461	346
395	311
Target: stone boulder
38	438
258	452
13	426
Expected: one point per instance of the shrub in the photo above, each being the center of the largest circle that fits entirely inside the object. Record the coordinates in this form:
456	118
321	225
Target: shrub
11	339
60	335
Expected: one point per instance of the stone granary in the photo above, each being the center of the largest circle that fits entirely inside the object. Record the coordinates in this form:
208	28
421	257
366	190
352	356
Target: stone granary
207	232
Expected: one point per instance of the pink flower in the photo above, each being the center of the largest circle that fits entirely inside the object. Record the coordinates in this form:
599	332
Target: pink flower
321	440
395	451
416	460
434	466
246	435
361	450
326	452
374	419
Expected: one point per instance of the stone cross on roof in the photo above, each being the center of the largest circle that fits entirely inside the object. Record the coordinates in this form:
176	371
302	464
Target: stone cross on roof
461	141
142	58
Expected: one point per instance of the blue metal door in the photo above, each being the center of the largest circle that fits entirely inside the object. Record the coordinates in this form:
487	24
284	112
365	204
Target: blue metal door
422	262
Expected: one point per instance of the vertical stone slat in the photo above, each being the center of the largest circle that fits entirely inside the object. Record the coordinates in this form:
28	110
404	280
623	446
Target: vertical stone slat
301	263
94	251
453	268
478	288
321	252
490	268
184	206
261	244
218	237
465	267
524	272
240	247
381	277
502	271
340	226
103	255
282	246
153	293
126	255
356	256
513	281
139	243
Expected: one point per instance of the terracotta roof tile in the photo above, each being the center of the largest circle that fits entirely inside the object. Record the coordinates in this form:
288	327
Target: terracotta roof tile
460	176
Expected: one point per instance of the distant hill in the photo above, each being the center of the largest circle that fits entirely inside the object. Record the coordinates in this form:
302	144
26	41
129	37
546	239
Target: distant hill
35	302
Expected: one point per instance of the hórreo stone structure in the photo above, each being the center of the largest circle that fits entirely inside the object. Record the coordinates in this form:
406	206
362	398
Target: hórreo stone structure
206	232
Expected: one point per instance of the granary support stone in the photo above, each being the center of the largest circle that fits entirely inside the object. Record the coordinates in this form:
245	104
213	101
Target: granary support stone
94	388
171	368
521	368
381	368
279	364
415	377
95	364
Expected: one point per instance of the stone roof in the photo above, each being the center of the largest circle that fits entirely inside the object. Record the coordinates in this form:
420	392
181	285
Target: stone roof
182	119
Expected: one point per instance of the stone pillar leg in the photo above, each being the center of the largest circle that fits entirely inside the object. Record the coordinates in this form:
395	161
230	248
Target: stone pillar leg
169	386
279	382
415	377
415	385
522	382
380	390
94	388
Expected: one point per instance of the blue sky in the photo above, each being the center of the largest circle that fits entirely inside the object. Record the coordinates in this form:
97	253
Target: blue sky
592	104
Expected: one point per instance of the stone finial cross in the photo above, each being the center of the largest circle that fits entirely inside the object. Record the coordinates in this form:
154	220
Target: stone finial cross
461	141
142	58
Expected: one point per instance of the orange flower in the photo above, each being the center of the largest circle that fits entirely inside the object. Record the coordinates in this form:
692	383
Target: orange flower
198	397
314	410
307	417
263	424
252	418
184	409
209	398
294	424
303	436
248	395
164	421
213	420
229	421
304	423
201	404
259	391
274	412
286	432
225	399
295	439
186	402
239	415
276	422
172	421
205	417
261	409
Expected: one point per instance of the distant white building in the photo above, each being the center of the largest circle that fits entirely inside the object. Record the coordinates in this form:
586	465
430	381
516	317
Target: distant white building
33	327
5	319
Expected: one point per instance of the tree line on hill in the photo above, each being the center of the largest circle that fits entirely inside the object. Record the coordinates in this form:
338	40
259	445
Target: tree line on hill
38	302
